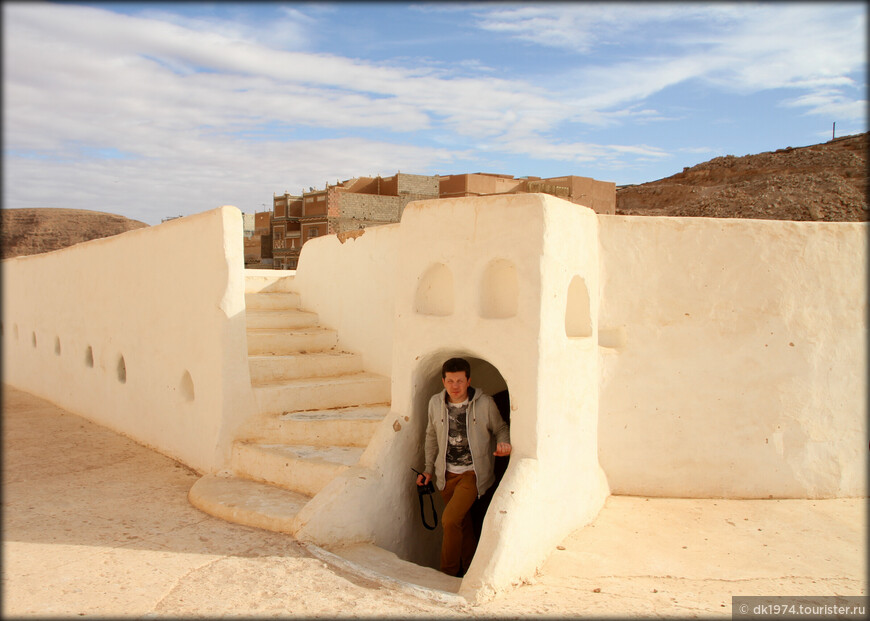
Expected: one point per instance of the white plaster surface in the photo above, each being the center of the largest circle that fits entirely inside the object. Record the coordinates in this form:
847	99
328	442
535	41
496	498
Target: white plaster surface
522	339
169	299
351	286
736	363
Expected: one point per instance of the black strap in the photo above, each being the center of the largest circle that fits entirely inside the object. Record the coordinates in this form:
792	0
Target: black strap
427	490
423	513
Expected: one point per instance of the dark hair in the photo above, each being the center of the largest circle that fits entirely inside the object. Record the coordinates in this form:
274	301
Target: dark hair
455	365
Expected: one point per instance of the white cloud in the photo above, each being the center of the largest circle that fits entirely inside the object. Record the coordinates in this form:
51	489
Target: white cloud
208	112
736	47
189	179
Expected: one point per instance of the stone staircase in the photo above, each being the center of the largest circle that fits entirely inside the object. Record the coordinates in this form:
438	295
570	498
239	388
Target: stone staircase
317	410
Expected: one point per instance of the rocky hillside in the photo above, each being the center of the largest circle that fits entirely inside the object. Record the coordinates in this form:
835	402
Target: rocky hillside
827	181
31	231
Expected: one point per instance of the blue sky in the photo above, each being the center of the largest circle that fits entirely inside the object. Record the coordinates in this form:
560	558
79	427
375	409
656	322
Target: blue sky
152	110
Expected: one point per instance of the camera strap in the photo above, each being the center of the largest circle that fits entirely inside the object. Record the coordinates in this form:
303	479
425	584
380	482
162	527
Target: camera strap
427	490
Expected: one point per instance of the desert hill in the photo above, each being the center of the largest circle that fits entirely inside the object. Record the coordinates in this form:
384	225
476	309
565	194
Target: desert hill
32	231
826	181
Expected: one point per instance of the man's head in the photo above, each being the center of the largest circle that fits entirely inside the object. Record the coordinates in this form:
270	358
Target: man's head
455	375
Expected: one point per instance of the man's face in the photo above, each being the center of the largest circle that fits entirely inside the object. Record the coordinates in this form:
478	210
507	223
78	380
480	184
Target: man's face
457	385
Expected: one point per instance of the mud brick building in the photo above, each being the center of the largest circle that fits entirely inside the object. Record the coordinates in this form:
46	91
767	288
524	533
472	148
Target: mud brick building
371	201
258	246
600	196
347	206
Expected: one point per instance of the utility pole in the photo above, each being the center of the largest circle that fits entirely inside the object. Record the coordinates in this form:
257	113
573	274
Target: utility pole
834	131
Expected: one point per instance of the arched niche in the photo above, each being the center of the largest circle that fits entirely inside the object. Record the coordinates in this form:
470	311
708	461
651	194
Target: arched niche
186	387
578	315
434	295
427	382
499	291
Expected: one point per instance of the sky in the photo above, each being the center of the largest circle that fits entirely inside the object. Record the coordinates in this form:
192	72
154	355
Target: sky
155	110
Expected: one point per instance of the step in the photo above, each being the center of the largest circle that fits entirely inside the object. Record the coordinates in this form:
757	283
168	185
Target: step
354	426
262	280
271	368
282	342
299	468
321	393
384	567
247	502
279	319
272	300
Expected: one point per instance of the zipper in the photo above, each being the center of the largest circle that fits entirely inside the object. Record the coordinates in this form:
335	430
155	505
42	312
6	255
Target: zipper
470	450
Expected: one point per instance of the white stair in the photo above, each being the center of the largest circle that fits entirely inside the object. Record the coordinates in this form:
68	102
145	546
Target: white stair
277	342
303	469
266	368
349	426
257	300
247	502
279	319
312	393
317	411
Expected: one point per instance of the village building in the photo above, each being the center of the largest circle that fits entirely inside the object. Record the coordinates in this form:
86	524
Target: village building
599	196
371	201
258	240
346	206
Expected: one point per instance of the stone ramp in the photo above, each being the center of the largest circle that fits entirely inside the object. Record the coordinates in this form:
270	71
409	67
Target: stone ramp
317	411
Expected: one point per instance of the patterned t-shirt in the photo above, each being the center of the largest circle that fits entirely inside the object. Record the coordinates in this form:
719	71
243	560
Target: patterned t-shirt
458	453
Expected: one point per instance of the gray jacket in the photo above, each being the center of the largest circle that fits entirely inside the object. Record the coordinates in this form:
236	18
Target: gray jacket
484	424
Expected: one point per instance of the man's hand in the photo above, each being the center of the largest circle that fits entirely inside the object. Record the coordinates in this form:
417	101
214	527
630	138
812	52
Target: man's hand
502	449
423	479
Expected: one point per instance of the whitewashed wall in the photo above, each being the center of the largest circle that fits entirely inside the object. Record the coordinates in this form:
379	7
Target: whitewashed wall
143	332
735	357
352	287
492	279
733	352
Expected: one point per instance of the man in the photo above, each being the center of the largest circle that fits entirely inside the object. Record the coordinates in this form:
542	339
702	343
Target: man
459	433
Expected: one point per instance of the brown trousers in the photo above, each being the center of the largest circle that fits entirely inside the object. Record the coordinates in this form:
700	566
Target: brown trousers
459	544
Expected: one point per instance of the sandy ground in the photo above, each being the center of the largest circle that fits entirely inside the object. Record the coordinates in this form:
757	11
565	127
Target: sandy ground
97	525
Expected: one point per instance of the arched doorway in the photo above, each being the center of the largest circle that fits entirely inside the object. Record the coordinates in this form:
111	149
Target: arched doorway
427	381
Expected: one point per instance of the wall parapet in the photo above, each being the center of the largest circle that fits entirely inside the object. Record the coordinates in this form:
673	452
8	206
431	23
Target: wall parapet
142	332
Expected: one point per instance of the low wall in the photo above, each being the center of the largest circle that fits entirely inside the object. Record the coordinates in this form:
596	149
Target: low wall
143	332
351	286
734	358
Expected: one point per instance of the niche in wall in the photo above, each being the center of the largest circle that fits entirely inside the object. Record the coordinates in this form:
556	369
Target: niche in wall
122	370
578	316
499	291
186	387
89	357
434	295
